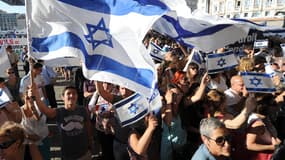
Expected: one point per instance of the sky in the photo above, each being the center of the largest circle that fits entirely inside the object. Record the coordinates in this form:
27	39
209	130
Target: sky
11	9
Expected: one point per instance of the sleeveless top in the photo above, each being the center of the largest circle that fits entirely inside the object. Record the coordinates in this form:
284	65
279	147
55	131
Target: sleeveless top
133	155
172	137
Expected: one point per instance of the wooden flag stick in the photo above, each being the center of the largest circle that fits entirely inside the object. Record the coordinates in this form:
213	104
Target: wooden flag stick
34	110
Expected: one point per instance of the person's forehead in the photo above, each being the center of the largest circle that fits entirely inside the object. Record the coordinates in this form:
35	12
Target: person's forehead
219	132
70	90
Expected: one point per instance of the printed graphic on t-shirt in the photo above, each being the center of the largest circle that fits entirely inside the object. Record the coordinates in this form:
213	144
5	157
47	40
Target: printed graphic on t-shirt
73	125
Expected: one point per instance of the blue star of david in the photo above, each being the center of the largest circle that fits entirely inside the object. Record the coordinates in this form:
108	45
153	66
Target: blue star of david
155	51
255	81
133	108
221	62
91	38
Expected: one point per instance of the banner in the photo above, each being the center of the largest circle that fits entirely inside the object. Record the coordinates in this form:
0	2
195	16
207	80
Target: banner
4	61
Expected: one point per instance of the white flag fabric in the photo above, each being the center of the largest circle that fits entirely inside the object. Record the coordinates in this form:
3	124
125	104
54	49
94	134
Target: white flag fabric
197	58
132	109
156	52
258	82
62	62
266	30
201	30
106	35
4	61
4	98
269	70
219	62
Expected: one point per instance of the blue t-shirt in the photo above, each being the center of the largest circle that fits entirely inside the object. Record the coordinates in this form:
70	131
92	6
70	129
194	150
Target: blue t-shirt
203	153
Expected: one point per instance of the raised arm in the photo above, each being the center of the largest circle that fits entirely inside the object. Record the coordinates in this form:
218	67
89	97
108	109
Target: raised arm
236	122
140	144
166	110
200	92
49	112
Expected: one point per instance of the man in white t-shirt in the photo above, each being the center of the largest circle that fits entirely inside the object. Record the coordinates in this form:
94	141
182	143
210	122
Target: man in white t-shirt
236	94
38	79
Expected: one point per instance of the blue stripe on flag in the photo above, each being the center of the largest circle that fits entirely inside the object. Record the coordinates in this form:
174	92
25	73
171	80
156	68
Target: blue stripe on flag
156	57
68	39
156	46
221	69
261	89
120	7
127	100
255	74
274	31
197	57
220	54
134	118
247	21
187	33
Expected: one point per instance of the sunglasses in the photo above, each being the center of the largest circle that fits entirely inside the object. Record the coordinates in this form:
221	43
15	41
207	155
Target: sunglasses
220	141
10	72
7	144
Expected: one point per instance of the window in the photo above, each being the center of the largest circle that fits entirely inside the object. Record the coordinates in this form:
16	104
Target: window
246	4
267	13
230	6
256	3
215	8
236	16
221	6
268	3
245	14
228	16
237	4
255	14
280	2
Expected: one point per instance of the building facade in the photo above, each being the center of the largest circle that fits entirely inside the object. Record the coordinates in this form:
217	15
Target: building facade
8	21
256	10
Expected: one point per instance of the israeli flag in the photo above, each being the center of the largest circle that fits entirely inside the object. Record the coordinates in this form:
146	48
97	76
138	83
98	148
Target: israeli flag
156	52
4	98
197	58
132	109
106	35
201	30
267	30
4	61
219	62
258	82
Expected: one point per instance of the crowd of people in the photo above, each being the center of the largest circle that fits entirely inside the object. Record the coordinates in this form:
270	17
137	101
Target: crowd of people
204	116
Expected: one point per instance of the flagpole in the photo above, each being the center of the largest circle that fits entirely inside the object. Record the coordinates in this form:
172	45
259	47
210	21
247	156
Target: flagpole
34	110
